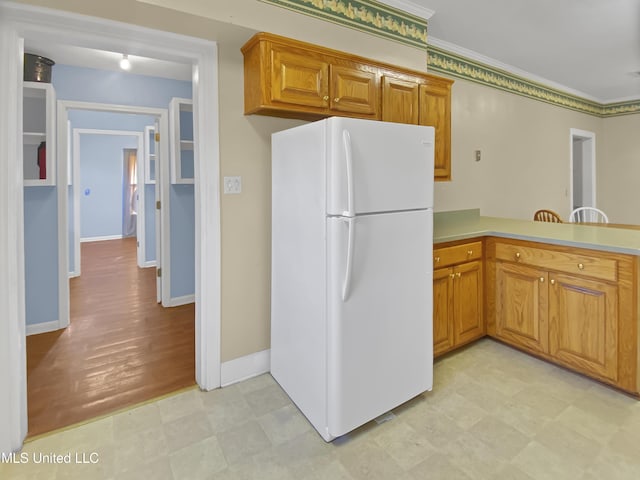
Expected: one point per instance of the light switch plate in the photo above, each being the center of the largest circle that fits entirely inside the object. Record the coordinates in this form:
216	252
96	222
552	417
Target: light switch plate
232	185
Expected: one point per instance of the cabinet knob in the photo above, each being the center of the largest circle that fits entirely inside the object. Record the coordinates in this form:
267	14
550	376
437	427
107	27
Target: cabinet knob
436	259
518	255
336	100
542	280
451	275
553	282
469	252
325	98
457	274
580	266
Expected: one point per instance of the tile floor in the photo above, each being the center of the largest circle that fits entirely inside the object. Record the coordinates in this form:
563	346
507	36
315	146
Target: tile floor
494	413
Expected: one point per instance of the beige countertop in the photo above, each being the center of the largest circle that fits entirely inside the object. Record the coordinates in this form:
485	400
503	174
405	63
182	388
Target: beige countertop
463	224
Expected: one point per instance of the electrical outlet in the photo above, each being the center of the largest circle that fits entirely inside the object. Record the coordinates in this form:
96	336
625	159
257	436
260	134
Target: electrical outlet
232	185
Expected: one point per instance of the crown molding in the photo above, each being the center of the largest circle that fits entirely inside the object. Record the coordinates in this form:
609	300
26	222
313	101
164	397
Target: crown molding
462	63
510	69
410	7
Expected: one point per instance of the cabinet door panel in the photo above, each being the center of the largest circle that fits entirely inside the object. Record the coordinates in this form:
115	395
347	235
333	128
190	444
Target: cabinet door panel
468	302
354	90
522	306
299	78
583	326
435	111
400	100
443	337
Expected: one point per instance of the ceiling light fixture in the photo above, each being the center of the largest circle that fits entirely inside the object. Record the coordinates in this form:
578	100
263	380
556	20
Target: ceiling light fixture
125	64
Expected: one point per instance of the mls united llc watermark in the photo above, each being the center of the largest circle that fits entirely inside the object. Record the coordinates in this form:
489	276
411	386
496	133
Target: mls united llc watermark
53	458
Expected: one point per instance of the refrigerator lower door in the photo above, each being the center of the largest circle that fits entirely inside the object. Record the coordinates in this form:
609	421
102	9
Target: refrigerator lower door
380	338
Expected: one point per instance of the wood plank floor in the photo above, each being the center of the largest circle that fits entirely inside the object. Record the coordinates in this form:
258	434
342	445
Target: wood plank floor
121	347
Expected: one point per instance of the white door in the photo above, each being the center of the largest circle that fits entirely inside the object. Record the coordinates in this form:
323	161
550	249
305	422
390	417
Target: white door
378	166
380	347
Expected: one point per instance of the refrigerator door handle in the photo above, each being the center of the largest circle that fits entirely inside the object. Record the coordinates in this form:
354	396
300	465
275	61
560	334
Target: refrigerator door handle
346	284
346	140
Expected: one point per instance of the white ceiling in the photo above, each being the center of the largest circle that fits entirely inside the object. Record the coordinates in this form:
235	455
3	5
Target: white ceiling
587	47
100	59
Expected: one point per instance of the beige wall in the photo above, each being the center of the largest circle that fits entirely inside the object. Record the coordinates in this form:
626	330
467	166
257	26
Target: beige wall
524	143
525	153
618	169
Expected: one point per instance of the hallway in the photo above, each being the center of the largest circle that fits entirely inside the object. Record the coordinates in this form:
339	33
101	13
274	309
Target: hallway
121	347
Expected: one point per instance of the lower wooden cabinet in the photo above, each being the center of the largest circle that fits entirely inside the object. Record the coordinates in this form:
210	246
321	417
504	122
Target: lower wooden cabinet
522	306
457	296
583	324
575	307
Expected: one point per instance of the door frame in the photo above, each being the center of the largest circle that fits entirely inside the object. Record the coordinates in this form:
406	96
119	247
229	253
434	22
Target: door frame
18	22
589	162
77	157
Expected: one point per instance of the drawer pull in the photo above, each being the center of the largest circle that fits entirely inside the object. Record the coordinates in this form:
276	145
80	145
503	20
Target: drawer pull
469	252
336	100
451	275
457	274
541	279
553	282
437	259
325	98
518	255
580	266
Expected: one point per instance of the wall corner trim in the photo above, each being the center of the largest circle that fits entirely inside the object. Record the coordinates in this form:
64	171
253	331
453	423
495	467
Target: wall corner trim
246	367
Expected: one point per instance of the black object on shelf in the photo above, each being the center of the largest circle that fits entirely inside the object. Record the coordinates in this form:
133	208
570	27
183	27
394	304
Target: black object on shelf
37	68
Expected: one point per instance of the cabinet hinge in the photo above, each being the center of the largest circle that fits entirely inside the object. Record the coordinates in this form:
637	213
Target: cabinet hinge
159	272
158	205
157	136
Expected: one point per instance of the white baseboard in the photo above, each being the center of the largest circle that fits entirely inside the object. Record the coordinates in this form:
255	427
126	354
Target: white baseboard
177	301
74	274
100	239
44	327
246	367
150	263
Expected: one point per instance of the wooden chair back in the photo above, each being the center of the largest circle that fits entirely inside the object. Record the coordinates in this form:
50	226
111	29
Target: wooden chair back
547	216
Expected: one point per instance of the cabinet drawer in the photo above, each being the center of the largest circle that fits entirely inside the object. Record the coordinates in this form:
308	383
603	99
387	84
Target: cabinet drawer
575	264
445	256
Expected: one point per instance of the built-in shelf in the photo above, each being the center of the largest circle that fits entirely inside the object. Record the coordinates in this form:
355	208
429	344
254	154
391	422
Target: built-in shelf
38	137
150	148
181	131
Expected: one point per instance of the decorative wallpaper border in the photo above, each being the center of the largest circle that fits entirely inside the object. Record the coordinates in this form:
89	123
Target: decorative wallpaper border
388	22
446	62
366	15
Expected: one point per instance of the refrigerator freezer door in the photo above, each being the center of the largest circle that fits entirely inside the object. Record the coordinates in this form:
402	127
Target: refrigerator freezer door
380	347
378	166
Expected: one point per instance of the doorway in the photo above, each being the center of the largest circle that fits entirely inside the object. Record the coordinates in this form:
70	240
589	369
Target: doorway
20	22
582	169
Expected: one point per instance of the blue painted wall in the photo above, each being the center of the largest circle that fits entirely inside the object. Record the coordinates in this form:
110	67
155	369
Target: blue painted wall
41	254
97	86
182	245
102	86
101	173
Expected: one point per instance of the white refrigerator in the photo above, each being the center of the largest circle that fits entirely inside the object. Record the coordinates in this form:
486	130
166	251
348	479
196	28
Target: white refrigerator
351	292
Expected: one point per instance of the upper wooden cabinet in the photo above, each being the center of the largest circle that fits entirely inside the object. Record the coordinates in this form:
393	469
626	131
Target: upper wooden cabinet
435	111
287	78
293	79
400	100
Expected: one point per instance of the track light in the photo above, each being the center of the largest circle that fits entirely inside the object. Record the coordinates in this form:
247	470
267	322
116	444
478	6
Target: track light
125	64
